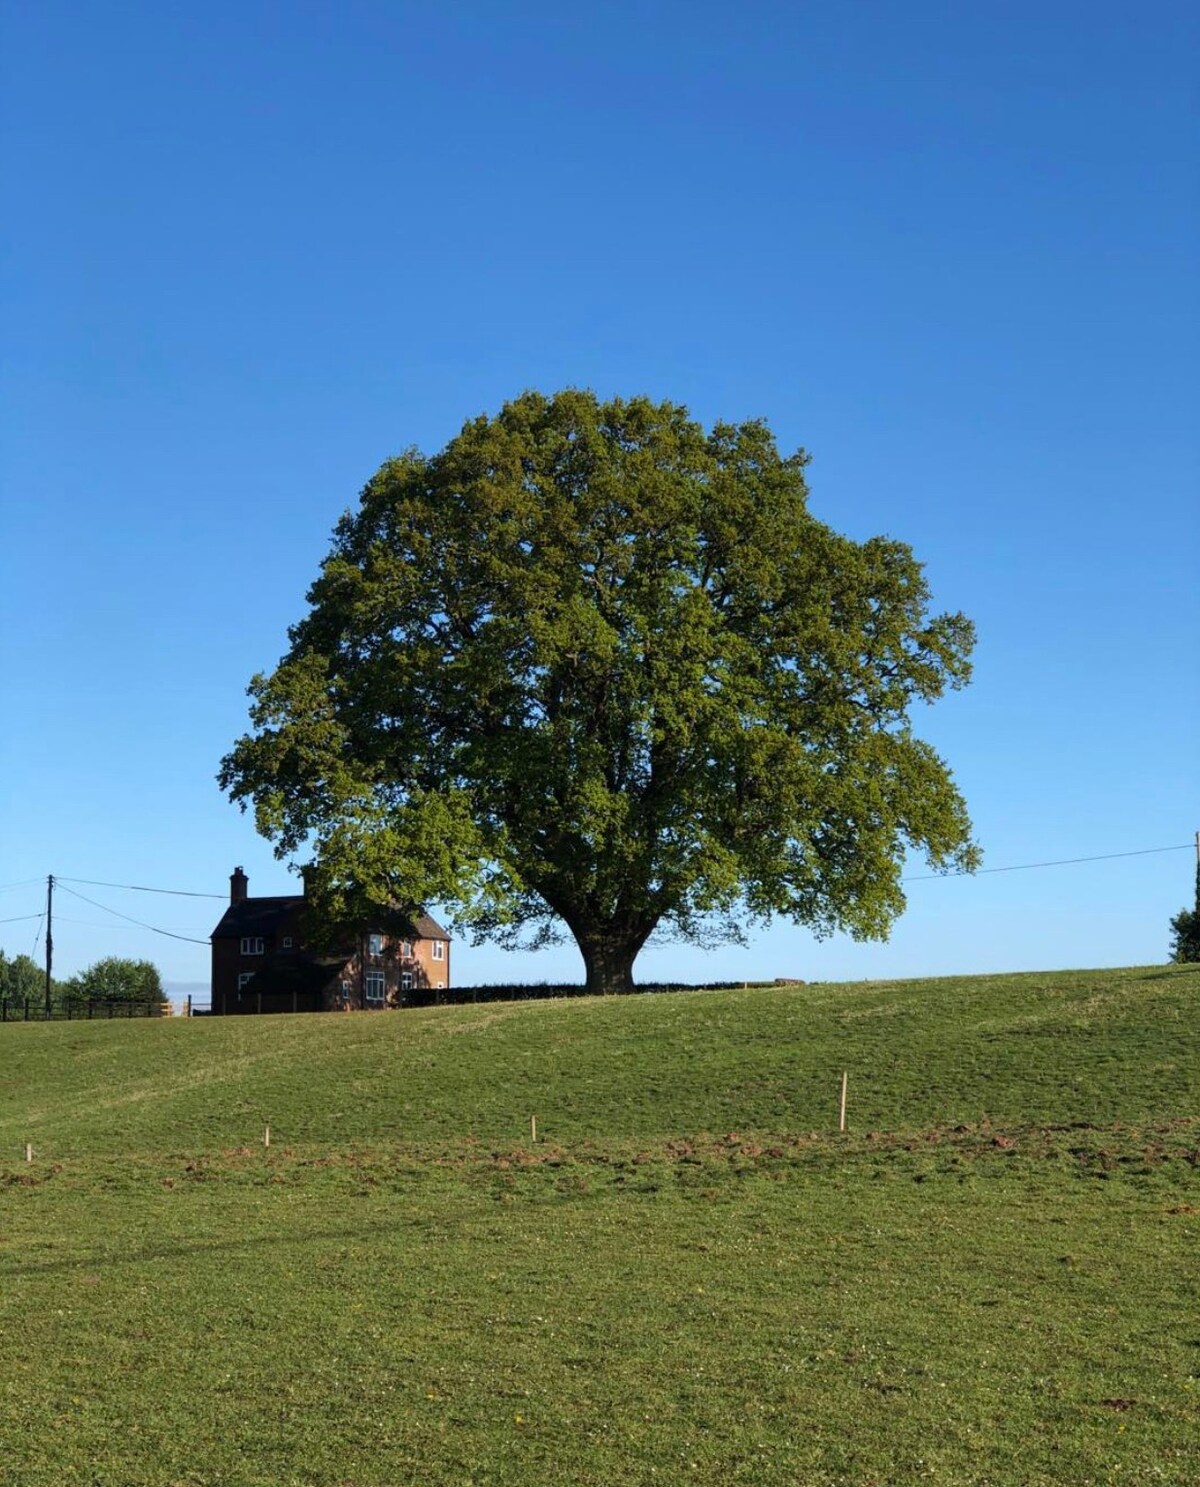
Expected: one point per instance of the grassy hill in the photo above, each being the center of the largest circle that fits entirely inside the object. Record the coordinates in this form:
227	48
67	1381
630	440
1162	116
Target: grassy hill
1099	1047
990	1280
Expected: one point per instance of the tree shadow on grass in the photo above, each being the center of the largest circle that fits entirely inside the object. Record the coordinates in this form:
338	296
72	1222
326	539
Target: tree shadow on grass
11	1267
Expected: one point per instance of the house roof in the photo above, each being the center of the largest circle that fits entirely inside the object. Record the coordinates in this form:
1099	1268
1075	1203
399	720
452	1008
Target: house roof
256	916
426	928
261	916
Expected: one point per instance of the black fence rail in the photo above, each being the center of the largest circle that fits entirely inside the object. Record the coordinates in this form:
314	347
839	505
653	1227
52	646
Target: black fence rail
453	996
546	991
33	1009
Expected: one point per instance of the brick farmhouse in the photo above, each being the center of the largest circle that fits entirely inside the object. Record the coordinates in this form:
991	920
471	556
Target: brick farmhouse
260	962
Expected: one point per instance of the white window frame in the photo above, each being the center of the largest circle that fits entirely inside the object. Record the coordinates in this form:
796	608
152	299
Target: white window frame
253	945
439	950
406	952
374	945
380	980
287	942
243	977
406	980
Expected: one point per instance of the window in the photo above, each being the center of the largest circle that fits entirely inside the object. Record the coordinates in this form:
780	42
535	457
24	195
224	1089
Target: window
406	980
287	942
405	949
243	977
252	944
439	949
374	944
374	985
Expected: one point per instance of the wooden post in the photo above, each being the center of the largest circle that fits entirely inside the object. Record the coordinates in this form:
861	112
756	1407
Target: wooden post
29	1151
49	940
842	1119
266	1135
189	1004
533	1128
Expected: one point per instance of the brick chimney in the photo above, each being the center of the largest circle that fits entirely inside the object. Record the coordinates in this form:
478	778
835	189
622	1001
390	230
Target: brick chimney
239	884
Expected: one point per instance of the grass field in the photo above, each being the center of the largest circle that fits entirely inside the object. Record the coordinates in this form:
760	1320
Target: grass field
992	1278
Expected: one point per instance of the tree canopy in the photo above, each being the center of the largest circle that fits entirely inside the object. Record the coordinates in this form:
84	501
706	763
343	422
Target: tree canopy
22	979
593	666
116	979
1185	931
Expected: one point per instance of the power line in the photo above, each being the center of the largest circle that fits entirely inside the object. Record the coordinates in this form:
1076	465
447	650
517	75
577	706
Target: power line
1023	867
1019	867
141	924
138	888
38	935
4	887
90	923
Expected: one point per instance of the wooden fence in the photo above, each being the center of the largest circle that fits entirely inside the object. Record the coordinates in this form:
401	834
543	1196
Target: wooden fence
33	1009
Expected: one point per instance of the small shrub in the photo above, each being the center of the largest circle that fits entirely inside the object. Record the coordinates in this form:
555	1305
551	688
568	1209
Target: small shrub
1185	931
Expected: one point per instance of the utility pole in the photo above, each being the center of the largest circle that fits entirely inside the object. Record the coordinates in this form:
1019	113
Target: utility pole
49	938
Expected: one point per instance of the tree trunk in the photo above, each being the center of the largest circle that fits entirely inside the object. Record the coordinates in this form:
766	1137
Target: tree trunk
609	960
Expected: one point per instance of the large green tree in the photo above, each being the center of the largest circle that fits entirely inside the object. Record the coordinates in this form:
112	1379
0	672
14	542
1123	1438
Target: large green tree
594	666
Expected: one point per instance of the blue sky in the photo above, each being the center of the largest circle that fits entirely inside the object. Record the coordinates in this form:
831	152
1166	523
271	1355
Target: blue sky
255	249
